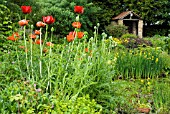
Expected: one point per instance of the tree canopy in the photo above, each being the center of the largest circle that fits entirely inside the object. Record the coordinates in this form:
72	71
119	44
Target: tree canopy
152	11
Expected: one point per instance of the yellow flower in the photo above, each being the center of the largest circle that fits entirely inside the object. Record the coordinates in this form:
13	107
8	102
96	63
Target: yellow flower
142	81
149	83
156	60
140	53
109	62
152	57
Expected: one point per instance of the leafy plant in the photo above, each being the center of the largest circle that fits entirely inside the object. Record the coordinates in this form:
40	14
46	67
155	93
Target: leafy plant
116	30
140	63
126	36
136	42
62	10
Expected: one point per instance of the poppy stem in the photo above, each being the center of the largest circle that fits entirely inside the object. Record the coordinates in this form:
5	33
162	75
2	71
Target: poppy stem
40	55
26	56
18	61
49	63
31	55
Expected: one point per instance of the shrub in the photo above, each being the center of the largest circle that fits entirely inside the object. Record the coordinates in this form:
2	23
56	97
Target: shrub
161	41
136	42
62	10
116	30
156	30
125	36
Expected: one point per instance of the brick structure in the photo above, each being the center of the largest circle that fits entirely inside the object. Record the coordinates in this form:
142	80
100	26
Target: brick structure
132	21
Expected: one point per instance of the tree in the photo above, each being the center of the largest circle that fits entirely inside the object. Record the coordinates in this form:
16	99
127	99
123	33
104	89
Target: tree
151	11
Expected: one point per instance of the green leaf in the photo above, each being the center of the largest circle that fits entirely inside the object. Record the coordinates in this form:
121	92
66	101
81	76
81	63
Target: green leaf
5	22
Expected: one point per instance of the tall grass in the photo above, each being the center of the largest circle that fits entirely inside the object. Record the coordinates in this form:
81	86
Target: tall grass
140	63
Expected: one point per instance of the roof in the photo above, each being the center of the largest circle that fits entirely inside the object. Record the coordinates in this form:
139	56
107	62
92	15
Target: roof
124	14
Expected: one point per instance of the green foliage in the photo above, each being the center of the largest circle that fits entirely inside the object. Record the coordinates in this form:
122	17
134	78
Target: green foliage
129	95
5	20
29	98
142	63
63	11
109	8
126	36
151	31
135	42
67	69
161	41
116	30
144	9
167	44
79	76
160	96
82	105
15	8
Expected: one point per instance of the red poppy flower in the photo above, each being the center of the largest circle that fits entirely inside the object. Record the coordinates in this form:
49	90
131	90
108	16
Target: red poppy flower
79	9
39	41
40	24
48	19
33	36
80	35
37	32
76	24
26	9
49	44
70	38
11	38
23	22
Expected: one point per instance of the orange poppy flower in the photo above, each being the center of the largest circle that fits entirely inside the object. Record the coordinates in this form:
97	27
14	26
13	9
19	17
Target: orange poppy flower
15	34
76	24
80	35
70	38
37	32
39	41
40	24
86	50
23	22
72	33
22	47
33	36
49	44
11	38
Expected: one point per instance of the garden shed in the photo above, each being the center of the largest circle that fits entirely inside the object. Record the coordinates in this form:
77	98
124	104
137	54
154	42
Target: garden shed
132	21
